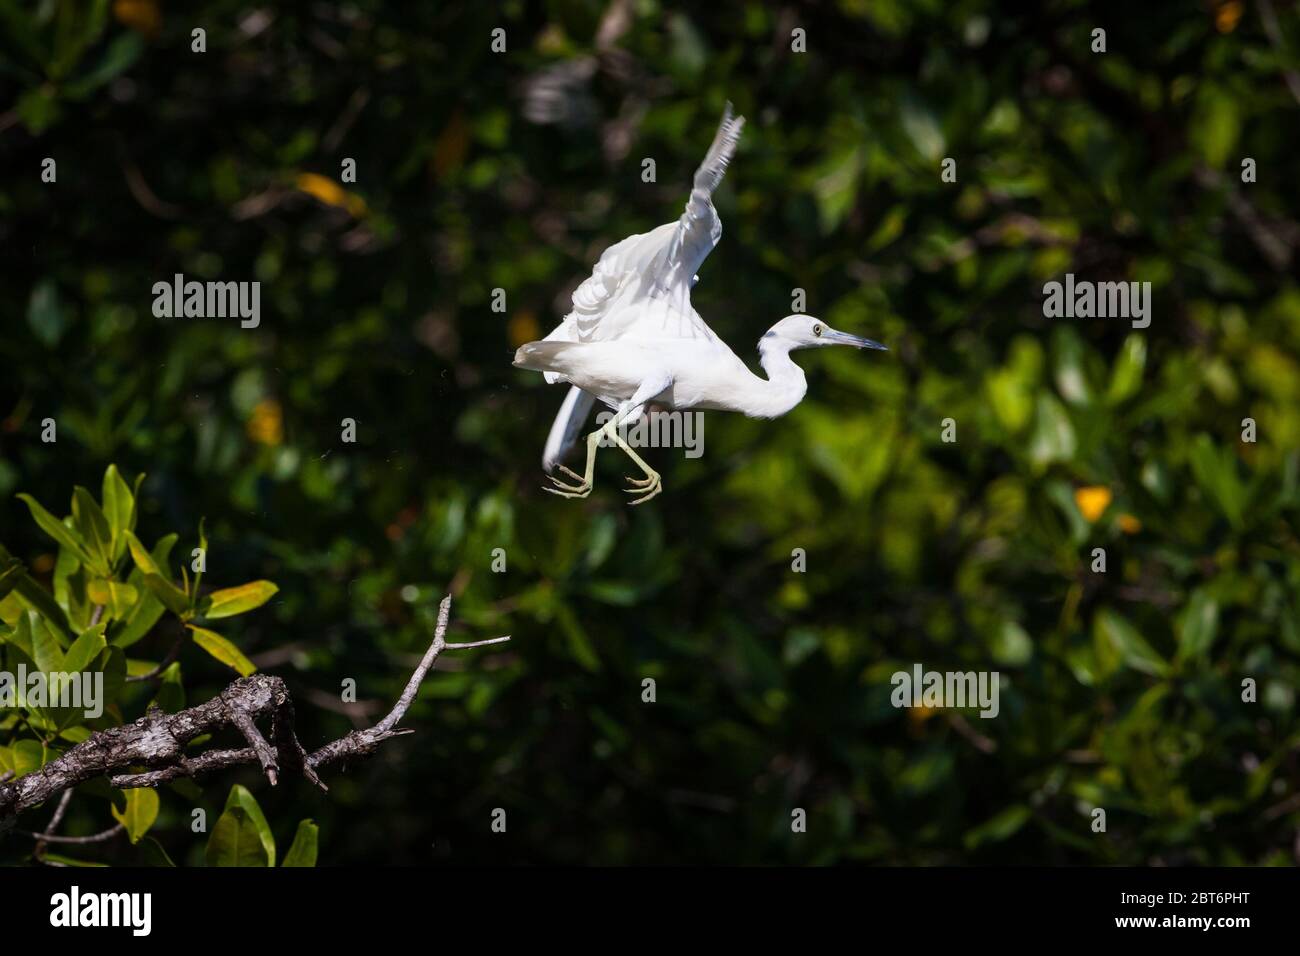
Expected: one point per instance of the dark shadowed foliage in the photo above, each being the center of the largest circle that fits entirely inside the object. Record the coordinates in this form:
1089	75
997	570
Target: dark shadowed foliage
477	171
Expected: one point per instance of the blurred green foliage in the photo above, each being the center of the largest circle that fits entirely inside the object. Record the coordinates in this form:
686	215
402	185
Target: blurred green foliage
479	170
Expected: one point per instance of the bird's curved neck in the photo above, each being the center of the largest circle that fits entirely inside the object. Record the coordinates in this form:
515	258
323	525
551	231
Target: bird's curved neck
785	385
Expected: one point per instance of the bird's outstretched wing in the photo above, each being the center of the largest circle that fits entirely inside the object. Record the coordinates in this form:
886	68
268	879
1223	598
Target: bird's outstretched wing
641	287
699	228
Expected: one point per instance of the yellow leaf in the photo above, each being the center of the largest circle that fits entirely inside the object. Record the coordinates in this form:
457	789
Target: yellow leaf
222	650
266	423
522	328
140	813
1226	17
140	555
115	595
142	16
323	188
231	601
450	147
331	193
1092	500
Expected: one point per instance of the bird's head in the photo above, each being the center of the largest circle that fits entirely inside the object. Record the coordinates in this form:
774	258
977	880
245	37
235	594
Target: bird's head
808	332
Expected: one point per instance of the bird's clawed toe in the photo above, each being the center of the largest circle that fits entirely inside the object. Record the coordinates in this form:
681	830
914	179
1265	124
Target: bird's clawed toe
646	487
572	474
567	494
566	490
650	485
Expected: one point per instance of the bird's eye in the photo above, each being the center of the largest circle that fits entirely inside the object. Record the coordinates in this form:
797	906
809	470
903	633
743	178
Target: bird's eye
817	330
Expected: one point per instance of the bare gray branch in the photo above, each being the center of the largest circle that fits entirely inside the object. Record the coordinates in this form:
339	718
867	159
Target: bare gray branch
157	740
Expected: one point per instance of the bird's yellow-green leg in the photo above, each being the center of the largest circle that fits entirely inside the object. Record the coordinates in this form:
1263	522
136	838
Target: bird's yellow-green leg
649	484
583	488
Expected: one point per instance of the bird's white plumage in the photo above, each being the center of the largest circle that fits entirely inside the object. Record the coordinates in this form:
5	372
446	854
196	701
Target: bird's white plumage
698	230
567	426
633	335
641	287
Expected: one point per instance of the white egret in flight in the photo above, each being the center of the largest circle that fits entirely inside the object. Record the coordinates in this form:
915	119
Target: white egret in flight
633	337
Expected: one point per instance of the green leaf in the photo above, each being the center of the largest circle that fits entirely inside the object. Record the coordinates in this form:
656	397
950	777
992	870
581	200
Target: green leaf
141	556
231	601
1053	438
1215	124
922	128
1197	626
303	851
999	828
84	649
171	693
1012	645
119	507
9	576
222	650
120	55
1132	646
113	665
24	757
147	609
580	646
46	316
70	589
1126	376
119	598
1215	471
203	550
172	597
46	650
21	637
836	186
38	599
153	854
22	30
69	861
94	530
77	26
56	529
890	228
235	841
140	813
1011	398
239	796
1071	376
139	620
81	657
135	500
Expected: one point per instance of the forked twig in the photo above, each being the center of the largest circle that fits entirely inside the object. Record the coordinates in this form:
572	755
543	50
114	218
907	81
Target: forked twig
157	741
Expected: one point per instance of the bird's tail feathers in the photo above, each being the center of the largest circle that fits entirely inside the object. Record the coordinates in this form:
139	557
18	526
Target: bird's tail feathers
545	357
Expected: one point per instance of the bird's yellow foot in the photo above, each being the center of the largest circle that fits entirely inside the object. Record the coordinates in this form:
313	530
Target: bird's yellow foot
640	482
650	485
566	490
567	494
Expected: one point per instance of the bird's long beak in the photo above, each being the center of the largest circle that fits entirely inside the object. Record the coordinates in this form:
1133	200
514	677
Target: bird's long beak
843	338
